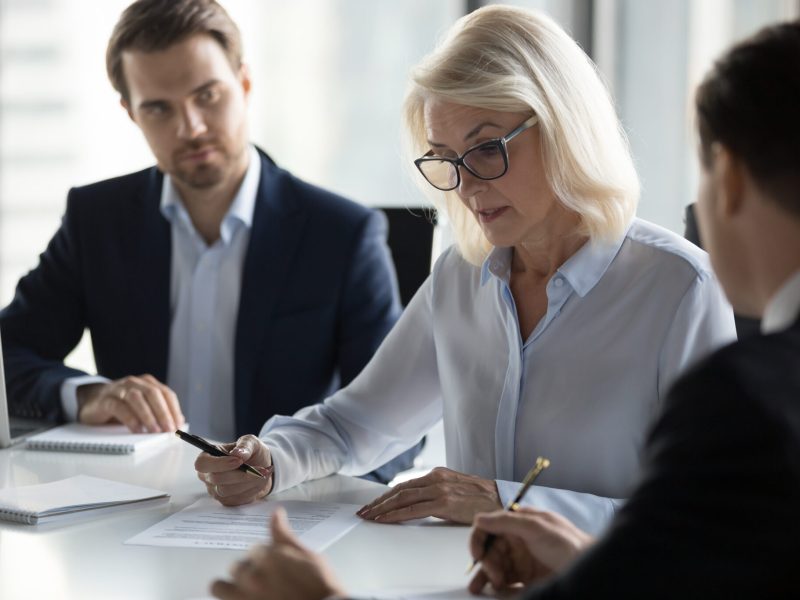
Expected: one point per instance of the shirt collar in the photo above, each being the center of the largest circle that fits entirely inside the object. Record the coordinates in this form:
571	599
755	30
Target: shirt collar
582	270
497	264
585	268
240	211
784	306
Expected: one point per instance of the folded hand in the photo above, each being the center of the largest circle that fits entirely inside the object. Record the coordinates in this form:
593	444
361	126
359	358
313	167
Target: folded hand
142	403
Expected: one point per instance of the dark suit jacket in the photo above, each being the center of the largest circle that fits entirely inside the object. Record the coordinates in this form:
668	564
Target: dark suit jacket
717	514
318	296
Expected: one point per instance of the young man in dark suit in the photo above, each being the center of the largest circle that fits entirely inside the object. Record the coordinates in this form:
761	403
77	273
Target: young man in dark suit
216	286
717	514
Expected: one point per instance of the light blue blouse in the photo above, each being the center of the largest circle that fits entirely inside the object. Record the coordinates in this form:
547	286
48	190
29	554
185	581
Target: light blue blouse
624	319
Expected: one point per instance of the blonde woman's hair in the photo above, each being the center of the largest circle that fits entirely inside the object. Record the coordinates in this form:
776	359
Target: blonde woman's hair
511	59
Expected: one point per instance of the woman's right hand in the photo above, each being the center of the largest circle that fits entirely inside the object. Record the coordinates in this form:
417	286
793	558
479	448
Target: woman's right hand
226	483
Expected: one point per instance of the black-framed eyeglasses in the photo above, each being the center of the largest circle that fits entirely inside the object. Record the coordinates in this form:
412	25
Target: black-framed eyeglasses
487	160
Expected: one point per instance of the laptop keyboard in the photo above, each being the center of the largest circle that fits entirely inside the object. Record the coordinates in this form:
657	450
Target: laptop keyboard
23	428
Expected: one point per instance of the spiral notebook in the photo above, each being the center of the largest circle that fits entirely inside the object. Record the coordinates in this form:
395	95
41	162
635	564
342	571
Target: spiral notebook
35	504
103	439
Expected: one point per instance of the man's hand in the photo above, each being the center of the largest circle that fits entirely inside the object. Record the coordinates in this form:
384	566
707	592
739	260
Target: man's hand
225	482
529	546
441	493
283	570
143	404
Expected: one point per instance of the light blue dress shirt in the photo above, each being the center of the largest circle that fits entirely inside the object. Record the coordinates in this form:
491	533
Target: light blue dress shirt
205	283
623	320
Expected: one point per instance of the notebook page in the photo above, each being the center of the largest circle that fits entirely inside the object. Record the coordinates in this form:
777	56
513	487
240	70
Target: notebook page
75	493
76	437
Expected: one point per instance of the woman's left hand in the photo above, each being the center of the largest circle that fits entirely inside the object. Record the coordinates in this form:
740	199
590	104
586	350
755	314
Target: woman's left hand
441	493
283	570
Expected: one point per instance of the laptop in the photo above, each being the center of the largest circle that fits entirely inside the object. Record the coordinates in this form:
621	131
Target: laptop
14	429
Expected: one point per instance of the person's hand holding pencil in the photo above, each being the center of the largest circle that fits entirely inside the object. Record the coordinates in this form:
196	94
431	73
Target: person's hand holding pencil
521	545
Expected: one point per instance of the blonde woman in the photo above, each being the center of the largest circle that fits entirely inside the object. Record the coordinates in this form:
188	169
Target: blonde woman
553	327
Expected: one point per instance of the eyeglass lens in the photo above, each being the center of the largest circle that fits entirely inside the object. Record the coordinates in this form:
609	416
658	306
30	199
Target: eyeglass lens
485	161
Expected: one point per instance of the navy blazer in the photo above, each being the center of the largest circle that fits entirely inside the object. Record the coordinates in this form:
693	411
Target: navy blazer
318	296
716	512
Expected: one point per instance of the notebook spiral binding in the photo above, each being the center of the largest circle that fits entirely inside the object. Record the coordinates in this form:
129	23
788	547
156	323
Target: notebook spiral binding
93	447
18	516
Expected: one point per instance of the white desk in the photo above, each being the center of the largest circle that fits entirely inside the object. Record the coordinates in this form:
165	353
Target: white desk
87	559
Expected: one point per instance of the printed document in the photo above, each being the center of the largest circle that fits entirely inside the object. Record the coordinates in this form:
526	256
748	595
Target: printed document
439	593
208	524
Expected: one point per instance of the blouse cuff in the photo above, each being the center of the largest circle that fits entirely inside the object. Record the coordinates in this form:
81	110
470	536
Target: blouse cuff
591	513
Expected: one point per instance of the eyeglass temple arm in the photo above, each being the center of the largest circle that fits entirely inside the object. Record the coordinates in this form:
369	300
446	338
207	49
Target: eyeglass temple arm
530	122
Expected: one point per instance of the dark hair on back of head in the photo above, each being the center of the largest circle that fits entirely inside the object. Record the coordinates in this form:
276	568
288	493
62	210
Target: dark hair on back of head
154	25
750	103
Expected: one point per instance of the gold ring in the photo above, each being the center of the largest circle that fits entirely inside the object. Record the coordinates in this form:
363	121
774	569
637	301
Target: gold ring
123	393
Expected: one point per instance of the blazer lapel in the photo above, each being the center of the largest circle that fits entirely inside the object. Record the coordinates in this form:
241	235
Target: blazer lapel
150	266
274	237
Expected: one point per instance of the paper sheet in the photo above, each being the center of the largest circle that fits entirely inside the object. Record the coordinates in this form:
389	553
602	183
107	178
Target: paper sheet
436	593
208	524
423	593
103	439
43	502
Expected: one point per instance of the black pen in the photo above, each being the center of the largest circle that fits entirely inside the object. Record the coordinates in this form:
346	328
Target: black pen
540	465
214	450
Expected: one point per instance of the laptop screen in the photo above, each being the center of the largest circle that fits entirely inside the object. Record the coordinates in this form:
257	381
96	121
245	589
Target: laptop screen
14	429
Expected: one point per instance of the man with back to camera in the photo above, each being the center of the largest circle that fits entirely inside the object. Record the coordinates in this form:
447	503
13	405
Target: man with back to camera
217	287
716	513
